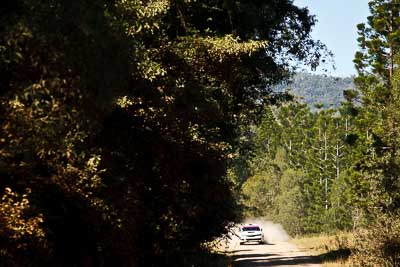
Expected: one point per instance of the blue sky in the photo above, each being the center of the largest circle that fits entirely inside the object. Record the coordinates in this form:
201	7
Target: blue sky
336	27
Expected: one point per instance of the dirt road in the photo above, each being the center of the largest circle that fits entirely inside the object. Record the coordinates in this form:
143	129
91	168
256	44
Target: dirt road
280	254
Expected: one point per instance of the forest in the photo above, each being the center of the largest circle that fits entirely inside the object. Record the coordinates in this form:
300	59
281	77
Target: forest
317	89
318	169
135	132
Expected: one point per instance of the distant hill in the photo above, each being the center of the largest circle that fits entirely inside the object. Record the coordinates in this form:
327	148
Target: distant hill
318	89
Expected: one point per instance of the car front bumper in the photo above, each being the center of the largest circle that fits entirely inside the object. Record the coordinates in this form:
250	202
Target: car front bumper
251	238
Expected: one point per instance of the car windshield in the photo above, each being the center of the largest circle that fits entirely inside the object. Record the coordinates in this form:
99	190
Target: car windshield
250	228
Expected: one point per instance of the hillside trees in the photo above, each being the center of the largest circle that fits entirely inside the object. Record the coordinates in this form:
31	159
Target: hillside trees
118	120
313	89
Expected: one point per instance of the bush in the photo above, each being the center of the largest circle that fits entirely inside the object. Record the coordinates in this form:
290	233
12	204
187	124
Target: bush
378	245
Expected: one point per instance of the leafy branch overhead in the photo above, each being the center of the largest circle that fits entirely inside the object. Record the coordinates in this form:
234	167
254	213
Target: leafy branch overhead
120	119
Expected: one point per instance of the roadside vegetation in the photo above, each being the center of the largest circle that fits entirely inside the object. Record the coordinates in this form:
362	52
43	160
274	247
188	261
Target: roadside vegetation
321	170
331	249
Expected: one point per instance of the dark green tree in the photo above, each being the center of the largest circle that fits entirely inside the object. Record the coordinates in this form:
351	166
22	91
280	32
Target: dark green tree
379	42
375	62
376	181
119	118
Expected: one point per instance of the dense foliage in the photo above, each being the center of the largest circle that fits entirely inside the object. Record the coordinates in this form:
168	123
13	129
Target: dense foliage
379	245
118	120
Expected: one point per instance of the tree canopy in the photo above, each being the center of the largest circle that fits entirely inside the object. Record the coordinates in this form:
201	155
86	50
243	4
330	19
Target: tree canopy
119	118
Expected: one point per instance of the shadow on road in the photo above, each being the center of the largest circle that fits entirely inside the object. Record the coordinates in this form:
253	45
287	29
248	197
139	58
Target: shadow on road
240	250
257	244
253	256
335	255
259	260
268	259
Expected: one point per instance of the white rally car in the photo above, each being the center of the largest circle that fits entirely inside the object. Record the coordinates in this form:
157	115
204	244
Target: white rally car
251	233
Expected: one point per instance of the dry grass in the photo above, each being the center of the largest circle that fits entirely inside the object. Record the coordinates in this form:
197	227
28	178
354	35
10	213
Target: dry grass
333	250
